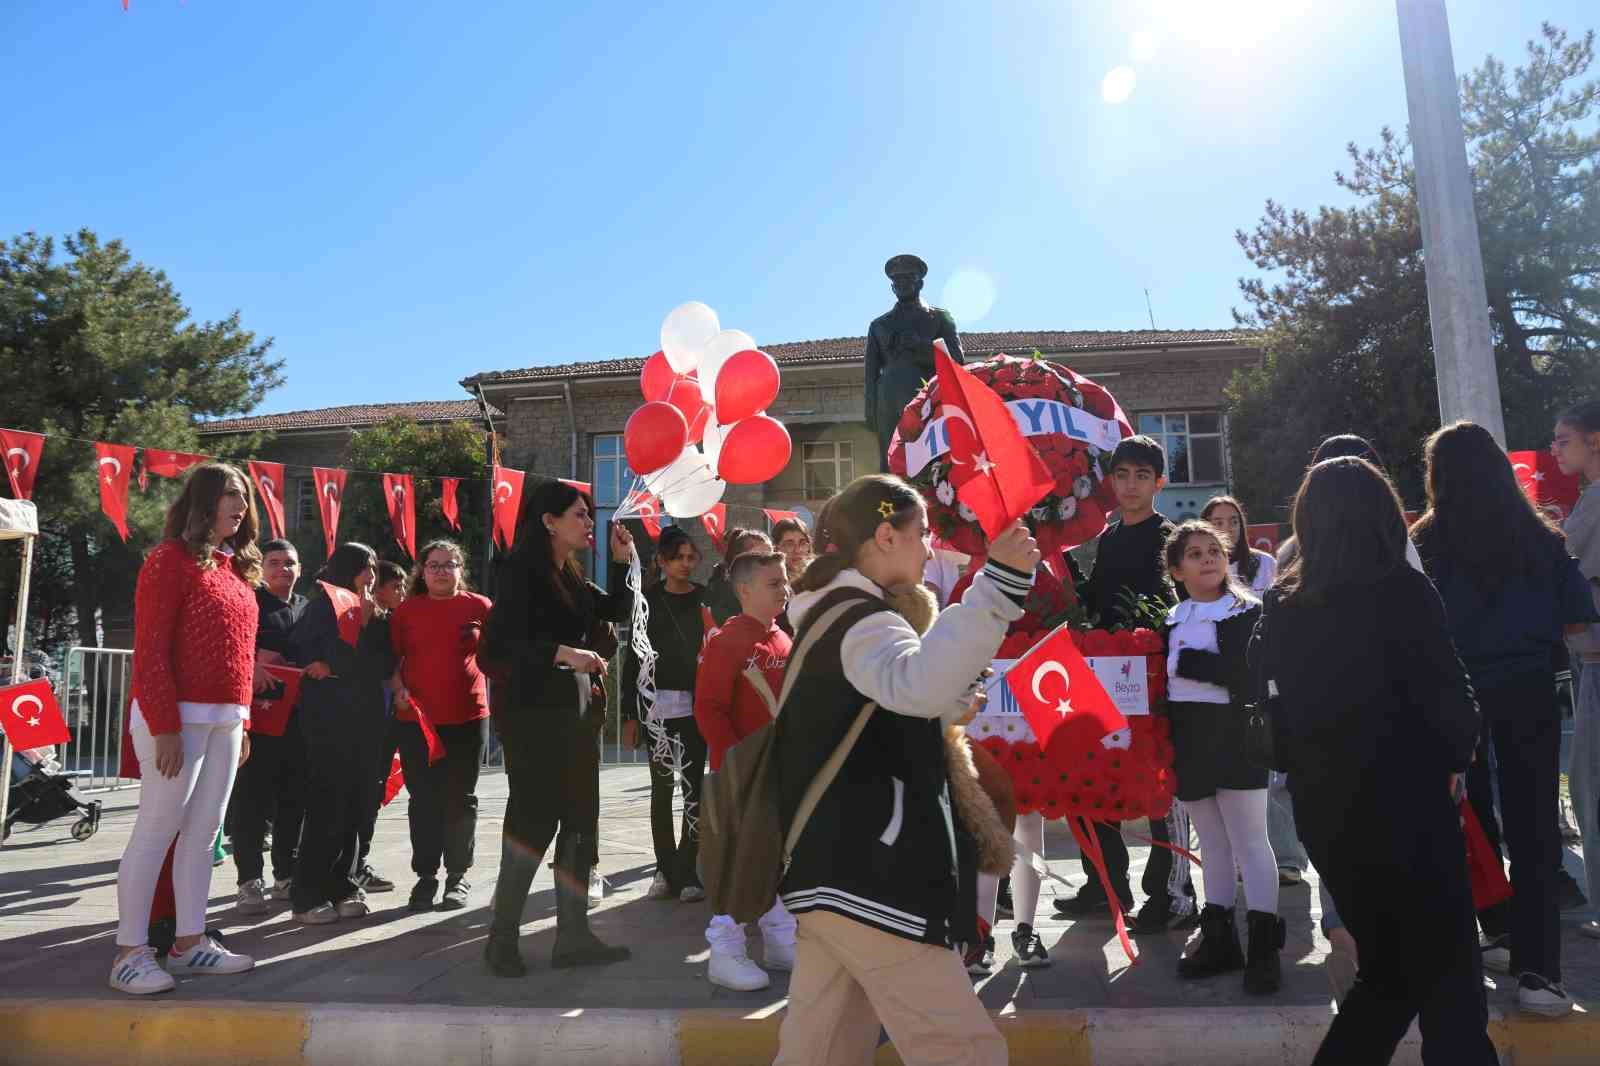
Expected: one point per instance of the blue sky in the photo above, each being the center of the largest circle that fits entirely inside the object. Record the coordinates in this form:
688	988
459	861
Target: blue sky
406	193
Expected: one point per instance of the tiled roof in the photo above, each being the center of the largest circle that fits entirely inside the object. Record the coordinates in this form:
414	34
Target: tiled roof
366	414
849	349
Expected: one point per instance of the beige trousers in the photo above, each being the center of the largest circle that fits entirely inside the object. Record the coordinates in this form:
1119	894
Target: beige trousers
848	977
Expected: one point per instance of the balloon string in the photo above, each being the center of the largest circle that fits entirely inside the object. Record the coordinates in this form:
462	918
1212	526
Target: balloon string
666	751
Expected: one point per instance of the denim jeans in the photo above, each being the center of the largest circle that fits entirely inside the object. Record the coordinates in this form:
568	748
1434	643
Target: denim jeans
1281	833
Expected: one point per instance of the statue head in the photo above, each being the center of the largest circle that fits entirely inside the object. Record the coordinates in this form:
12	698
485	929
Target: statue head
905	273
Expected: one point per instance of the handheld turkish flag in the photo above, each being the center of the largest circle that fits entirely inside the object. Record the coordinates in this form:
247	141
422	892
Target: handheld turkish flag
22	450
165	464
507	504
346	609
269	486
1541	478
270	713
113	468
1057	690
447	501
994	469
397	489
330	501
716	523
30	717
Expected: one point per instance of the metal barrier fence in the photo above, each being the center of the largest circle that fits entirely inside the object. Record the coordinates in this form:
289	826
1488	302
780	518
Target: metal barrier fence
95	688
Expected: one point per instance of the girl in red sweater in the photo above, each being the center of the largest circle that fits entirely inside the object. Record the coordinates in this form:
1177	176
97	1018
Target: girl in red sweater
193	674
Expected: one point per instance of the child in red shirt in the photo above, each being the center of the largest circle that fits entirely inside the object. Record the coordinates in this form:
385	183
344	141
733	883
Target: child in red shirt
729	705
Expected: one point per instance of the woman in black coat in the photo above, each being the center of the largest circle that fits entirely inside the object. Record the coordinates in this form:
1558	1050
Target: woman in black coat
538	647
344	718
1375	722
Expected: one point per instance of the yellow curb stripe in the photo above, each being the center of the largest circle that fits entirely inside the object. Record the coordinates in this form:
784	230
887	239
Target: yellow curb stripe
153	1033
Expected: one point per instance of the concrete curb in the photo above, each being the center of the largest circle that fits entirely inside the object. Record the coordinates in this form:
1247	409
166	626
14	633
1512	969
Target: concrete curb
167	1032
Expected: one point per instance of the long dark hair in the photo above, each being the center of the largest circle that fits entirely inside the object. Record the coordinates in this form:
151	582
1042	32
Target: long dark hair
347	560
673	538
1349	444
1243	559
532	563
193	516
851	519
1478	517
1584	416
1350	528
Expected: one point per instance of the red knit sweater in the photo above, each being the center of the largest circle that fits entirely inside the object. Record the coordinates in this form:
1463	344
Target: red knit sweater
727	707
194	635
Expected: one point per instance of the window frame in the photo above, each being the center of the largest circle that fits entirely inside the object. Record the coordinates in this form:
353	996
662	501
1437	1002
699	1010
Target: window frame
836	461
1165	436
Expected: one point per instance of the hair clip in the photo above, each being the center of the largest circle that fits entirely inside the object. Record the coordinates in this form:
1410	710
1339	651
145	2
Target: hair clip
886	509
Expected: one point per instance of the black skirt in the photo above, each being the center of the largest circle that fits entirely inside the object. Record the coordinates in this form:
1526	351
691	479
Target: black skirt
1208	746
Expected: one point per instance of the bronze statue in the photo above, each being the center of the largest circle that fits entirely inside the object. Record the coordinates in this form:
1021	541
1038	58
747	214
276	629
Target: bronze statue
900	349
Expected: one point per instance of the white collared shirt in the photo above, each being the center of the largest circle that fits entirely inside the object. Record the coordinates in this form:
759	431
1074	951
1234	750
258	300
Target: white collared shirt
1194	625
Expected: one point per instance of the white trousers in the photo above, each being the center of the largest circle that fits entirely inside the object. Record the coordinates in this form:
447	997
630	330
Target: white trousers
727	936
188	807
1029	838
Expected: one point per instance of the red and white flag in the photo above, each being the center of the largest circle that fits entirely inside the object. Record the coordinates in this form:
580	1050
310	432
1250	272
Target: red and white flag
994	469
30	717
649	515
716	523
1541	478
507	504
113	469
447	501
582	486
22	450
165	464
1057	691
268	478
398	491
271	716
346	611
329	484
775	516
1264	537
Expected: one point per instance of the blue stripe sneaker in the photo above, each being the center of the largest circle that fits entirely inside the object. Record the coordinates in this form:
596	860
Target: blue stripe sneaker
206	956
138	974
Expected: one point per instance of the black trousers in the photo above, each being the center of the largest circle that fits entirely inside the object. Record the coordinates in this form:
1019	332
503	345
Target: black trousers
270	791
1157	869
553	774
1524	725
334	807
374	803
1416	937
679	860
443	806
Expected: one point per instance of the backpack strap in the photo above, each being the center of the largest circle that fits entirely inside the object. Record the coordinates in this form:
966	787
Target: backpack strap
758	681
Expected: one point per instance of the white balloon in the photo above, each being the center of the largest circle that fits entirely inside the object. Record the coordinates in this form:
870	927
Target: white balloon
685	332
687	462
711	443
695	498
718	350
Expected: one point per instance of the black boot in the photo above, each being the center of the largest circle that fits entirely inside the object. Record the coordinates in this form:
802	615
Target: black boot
517	870
575	944
1262	974
1218	950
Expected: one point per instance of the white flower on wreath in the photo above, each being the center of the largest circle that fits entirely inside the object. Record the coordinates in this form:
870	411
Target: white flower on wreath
1082	486
1068	508
967	514
945	492
1040	514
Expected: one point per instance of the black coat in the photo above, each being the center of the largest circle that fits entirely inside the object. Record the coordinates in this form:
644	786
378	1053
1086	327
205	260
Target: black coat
1208	738
347	709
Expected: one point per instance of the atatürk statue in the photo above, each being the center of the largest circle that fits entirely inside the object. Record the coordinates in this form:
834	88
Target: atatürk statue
900	349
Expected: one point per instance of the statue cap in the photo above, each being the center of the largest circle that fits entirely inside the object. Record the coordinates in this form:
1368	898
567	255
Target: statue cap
906	263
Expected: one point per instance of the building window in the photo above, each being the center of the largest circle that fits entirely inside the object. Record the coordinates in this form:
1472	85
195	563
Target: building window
830	466
305	513
1193	442
612	478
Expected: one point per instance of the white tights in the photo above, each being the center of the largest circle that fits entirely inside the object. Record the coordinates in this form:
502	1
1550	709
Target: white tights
1232	827
1029	837
189	807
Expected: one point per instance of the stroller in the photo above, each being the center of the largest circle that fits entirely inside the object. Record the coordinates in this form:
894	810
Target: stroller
40	793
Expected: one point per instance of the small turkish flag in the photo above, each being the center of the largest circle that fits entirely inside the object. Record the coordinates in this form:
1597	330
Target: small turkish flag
113	469
995	471
269	486
582	486
22	450
270	713
30	717
716	523
397	489
1541	478
507	504
396	781
346	609
649	508
447	501
166	464
1264	537
1057	690
330	501
774	517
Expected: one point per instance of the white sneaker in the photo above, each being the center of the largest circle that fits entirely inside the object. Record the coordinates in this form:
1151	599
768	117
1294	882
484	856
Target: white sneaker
138	974
776	956
597	887
354	906
1590	930
252	897
661	888
281	889
692	894
206	956
1539	996
321	914
737	973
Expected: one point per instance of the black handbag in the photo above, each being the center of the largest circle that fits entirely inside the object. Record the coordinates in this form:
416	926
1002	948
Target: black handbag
1260	714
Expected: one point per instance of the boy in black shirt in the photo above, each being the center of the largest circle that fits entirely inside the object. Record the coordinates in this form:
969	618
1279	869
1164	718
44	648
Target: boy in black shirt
1128	559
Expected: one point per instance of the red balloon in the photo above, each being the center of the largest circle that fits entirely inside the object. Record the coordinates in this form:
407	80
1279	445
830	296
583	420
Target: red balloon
746	384
755	450
655	435
657	379
685	396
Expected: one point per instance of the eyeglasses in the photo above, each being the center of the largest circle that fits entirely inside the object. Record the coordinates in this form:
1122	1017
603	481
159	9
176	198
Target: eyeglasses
442	568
